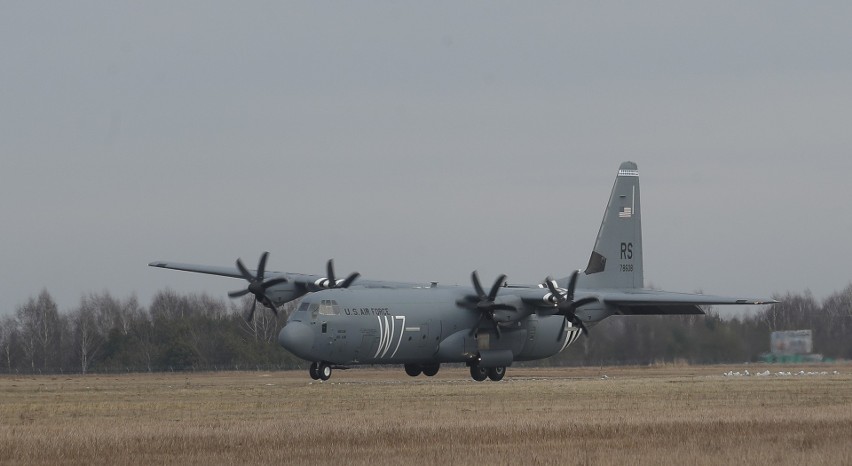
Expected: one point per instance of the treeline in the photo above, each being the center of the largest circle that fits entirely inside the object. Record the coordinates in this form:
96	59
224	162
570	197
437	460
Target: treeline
106	334
197	332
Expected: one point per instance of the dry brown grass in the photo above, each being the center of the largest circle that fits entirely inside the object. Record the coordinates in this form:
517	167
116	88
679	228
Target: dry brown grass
667	414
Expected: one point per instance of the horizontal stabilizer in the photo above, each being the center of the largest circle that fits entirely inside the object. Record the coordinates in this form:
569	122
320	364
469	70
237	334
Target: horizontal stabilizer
652	302
677	309
644	297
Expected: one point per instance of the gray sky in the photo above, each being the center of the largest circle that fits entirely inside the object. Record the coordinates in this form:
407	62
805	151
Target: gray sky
421	140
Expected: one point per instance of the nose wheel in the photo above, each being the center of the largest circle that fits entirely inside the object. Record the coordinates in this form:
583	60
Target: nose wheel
320	371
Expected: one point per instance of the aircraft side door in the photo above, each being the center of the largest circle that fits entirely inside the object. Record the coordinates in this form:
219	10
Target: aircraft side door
368	346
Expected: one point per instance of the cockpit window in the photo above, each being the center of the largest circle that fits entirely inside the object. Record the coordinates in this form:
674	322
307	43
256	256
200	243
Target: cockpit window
303	307
329	307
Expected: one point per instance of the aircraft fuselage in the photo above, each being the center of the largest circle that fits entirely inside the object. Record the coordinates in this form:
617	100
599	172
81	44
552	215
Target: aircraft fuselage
405	326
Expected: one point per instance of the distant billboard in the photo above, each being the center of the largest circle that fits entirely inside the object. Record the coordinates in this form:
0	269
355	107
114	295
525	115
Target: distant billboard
790	342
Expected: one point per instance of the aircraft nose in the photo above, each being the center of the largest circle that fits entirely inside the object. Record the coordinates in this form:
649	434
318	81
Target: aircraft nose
297	338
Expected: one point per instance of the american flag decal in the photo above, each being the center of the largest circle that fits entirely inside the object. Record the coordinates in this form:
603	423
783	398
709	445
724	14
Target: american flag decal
625	212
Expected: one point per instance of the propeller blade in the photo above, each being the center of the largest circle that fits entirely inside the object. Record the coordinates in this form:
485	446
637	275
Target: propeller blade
273	282
251	312
579	323
474	277
261	266
571	284
237	294
496	287
562	329
267	303
329	267
476	327
351	278
554	291
243	270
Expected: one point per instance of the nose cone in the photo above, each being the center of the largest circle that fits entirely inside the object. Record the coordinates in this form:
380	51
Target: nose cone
297	338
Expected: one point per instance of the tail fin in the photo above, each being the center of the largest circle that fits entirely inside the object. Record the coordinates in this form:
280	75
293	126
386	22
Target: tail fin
616	260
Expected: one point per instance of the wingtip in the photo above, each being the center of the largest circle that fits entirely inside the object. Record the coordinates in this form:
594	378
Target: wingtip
757	301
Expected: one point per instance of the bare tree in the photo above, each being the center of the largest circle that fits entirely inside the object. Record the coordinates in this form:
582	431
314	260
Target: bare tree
48	328
793	312
28	327
167	304
130	309
87	338
39	320
207	306
833	337
9	336
142	328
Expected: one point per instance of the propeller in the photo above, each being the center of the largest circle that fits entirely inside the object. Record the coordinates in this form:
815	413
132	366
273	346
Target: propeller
257	286
331	282
485	303
566	304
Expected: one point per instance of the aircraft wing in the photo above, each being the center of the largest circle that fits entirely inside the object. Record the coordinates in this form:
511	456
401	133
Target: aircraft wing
208	269
654	302
305	280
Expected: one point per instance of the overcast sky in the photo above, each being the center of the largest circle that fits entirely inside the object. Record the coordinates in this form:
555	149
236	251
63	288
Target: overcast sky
421	140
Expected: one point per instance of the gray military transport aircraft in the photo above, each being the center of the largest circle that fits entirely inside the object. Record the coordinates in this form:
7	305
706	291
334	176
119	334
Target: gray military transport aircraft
344	322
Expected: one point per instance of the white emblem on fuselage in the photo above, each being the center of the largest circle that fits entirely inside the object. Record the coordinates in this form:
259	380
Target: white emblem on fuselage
387	329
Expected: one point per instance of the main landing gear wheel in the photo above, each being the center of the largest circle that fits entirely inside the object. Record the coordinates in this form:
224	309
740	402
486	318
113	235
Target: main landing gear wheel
429	370
413	369
314	371
496	373
478	373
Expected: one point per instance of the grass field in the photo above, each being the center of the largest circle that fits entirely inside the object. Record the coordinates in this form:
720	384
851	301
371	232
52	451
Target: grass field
670	415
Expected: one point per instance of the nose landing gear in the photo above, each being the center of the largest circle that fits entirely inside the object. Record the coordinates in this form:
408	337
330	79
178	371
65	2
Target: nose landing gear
320	371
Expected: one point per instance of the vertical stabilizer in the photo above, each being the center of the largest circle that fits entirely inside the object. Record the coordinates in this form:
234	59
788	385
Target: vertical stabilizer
616	260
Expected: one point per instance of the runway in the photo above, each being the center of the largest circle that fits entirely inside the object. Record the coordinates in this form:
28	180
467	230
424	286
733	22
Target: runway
601	415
